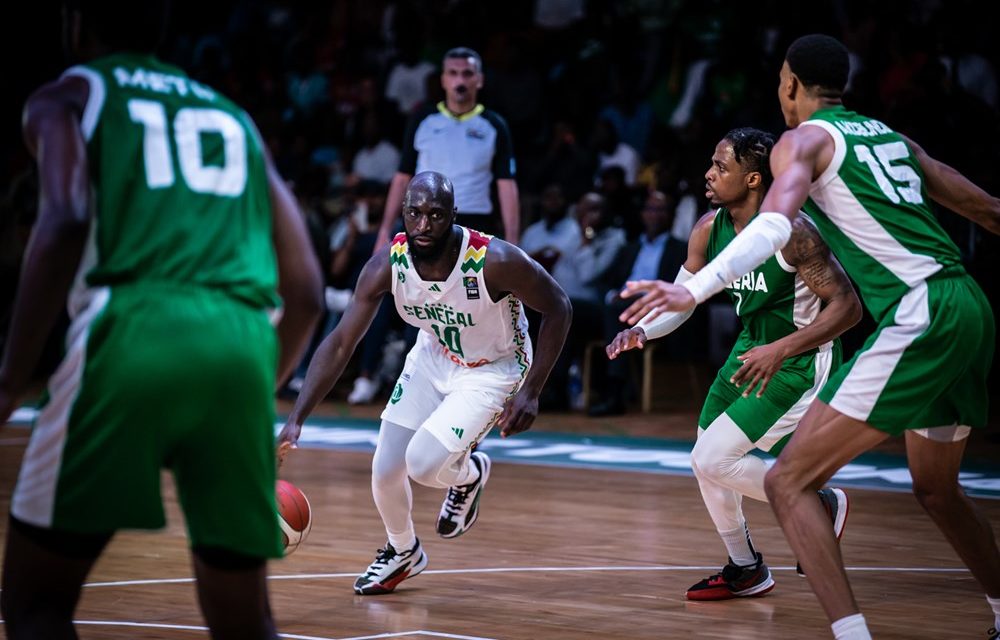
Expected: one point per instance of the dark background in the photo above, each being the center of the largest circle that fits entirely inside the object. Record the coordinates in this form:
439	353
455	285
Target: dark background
907	57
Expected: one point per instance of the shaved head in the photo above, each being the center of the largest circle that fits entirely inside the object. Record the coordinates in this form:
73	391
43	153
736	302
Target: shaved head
431	185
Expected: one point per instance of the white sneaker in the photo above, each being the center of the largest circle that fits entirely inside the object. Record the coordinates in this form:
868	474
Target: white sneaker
363	392
389	568
461	506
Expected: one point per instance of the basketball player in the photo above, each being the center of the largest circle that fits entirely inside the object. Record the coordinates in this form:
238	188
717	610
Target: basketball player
470	369
923	372
792	307
166	227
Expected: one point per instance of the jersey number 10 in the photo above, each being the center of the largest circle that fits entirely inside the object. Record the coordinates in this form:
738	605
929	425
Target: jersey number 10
189	125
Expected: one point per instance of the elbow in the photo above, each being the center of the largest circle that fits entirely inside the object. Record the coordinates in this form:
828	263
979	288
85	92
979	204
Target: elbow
853	310
566	309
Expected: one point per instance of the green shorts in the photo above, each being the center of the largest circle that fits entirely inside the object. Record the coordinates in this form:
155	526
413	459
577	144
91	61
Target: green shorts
159	377
769	421
927	363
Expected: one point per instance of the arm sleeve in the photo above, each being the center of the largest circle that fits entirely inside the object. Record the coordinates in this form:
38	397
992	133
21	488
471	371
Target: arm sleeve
668	322
761	239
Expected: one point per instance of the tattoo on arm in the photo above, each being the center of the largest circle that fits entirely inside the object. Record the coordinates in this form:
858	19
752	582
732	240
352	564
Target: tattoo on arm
815	264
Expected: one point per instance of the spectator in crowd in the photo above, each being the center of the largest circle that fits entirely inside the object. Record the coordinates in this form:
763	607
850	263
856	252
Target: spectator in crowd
654	255
377	158
585	279
556	236
567	163
612	152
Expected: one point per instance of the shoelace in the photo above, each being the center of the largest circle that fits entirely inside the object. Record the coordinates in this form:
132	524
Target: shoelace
382	558
456	498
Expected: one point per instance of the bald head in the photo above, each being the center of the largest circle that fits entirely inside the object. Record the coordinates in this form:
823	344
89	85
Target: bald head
430	186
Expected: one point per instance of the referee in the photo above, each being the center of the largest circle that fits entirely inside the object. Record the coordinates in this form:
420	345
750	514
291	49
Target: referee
466	142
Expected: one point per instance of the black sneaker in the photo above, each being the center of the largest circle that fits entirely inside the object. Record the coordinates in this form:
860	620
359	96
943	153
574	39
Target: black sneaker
993	634
837	505
389	568
734	581
461	506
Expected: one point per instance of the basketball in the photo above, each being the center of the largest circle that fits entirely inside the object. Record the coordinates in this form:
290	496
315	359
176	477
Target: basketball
294	515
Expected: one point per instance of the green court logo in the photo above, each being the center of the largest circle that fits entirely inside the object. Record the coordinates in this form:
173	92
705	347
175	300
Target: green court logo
458	432
397	393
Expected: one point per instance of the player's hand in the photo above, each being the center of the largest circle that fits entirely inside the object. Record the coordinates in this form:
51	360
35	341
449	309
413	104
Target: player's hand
518	414
288	440
659	297
759	366
631	338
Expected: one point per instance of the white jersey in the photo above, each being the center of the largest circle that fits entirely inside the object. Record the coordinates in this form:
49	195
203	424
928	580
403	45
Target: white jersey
456	316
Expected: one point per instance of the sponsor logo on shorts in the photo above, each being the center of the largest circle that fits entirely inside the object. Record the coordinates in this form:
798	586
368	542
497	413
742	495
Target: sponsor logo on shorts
397	393
458	432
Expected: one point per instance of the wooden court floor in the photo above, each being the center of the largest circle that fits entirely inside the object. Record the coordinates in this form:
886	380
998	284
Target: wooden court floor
558	553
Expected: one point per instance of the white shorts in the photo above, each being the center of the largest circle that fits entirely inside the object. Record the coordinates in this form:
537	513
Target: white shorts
457	404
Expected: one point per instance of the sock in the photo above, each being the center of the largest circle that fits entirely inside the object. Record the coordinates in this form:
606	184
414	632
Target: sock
995	605
403	541
851	628
739	546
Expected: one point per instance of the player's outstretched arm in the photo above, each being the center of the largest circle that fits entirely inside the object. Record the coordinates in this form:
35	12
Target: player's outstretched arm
335	350
53	136
510	271
948	187
654	322
300	281
824	276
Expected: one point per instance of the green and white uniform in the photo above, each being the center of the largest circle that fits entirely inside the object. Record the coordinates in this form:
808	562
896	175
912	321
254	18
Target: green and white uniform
471	353
772	302
926	365
170	358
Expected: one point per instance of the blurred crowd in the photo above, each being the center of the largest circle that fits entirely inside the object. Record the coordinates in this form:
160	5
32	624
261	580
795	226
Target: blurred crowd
614	109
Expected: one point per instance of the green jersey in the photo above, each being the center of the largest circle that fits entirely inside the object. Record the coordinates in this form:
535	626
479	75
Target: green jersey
871	208
179	183
771	301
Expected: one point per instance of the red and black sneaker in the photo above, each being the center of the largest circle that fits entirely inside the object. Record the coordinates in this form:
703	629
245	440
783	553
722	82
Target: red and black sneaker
837	505
389	568
734	581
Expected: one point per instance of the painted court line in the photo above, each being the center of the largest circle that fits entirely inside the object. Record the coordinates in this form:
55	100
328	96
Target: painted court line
290	636
323	576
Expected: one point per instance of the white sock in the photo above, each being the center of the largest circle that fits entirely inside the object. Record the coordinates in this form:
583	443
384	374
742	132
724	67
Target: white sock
851	628
739	546
403	541
995	605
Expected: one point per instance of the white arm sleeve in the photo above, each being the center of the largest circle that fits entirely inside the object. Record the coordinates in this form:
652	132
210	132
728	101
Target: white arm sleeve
666	322
761	239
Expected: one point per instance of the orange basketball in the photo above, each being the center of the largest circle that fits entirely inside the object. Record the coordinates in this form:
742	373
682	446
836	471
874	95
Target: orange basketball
294	515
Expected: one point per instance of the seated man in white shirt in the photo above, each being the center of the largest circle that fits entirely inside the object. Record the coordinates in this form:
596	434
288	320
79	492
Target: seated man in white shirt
555	235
